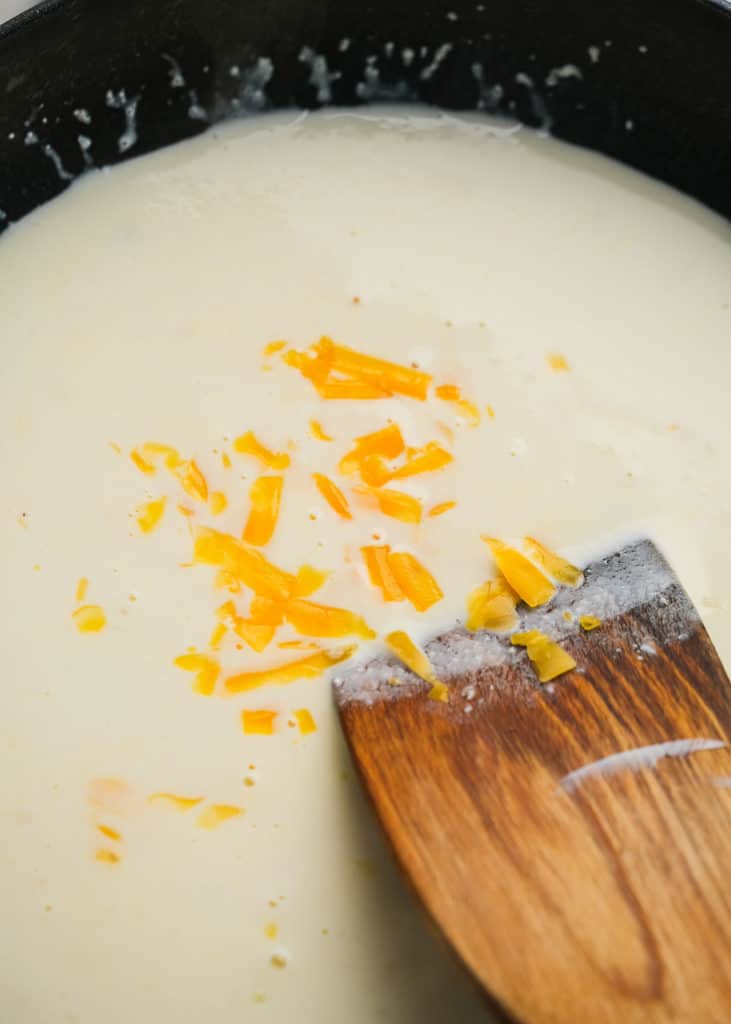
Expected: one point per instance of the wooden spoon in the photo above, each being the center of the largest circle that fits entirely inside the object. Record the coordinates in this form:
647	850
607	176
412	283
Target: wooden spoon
572	840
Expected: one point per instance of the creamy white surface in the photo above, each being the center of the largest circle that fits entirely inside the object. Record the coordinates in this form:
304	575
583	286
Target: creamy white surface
135	308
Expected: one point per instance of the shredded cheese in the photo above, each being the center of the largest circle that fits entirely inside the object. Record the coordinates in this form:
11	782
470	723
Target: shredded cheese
381	575
309	580
318	431
441	508
142	464
109	832
526	580
212	817
259	722
265	496
175	802
589	622
217	503
397	504
206	669
386	443
452	394
557	362
412	656
414	580
492	606
280	675
332	495
424	460
248	444
89	618
548	659
360	375
319	620
556	567
305	721
150	515
250	567
280	599
107	856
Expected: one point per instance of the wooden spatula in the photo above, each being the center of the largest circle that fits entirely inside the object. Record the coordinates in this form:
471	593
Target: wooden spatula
572	840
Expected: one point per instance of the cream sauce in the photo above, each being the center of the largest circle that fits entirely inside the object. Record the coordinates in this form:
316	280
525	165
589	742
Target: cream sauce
136	308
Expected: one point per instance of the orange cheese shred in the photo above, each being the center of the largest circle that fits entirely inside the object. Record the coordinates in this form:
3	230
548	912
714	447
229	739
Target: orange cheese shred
375	557
387	443
350	390
226	580
309	580
425	460
320	620
248	444
441	508
175	802
332	495
397	504
250	567
153	450
257	635
266	612
361	375
274	346
217	636
415	580
492	606
150	515
318	431
206	671
452	394
107	856
90	618
557	362
265	495
548	659
589	622
313	365
217	503
192	480
109	832
81	588
226	613
142	464
374	471
211	817
556	567
258	723
280	675
390	377
305	721
412	656
527	581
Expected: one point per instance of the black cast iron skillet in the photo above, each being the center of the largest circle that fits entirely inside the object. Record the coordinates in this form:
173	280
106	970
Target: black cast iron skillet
645	81
92	82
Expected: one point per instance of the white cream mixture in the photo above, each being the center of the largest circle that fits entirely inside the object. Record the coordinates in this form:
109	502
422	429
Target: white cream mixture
135	308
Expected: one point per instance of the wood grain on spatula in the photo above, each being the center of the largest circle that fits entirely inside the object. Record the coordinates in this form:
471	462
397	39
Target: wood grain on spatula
575	891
